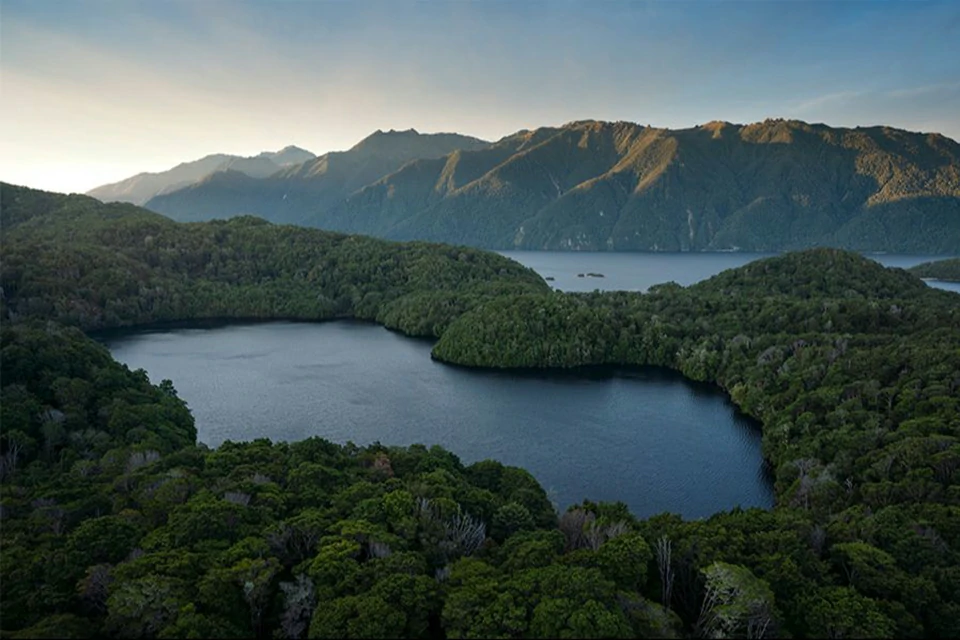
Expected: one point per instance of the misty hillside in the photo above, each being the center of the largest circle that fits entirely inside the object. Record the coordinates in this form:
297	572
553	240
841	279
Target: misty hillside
300	190
143	186
620	186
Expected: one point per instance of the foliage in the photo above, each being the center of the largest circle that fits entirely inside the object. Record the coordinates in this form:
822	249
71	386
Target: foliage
77	261
116	522
948	270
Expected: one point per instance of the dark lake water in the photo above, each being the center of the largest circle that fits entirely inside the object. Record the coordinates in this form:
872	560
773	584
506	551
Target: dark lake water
648	438
639	271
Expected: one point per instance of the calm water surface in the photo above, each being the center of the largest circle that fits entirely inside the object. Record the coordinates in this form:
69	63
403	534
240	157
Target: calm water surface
639	271
648	438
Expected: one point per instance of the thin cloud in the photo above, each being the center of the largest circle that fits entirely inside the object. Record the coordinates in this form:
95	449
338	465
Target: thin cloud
828	100
942	87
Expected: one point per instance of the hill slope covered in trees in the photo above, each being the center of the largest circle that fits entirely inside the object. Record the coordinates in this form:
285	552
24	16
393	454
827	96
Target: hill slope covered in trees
115	522
598	186
78	261
947	270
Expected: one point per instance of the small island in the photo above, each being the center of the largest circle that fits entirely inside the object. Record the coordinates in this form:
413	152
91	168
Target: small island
946	270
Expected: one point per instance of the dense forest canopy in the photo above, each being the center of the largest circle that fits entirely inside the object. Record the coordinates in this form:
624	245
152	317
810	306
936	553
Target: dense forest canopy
116	522
947	270
95	266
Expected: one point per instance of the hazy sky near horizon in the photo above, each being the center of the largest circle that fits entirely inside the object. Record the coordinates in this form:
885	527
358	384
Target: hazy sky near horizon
95	91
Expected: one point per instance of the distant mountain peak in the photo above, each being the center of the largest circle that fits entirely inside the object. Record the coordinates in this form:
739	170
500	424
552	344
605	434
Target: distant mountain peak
380	136
142	187
288	156
397	132
380	133
412	144
290	148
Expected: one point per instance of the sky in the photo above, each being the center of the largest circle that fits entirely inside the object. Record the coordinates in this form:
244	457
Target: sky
94	91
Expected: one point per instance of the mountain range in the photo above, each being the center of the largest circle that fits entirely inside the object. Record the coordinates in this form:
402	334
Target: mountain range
143	186
590	185
294	193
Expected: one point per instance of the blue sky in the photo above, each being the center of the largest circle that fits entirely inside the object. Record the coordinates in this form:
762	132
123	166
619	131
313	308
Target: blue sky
95	91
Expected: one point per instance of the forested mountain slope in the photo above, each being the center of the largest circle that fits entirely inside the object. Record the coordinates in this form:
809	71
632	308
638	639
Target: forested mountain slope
768	186
116	523
620	186
140	188
948	270
290	195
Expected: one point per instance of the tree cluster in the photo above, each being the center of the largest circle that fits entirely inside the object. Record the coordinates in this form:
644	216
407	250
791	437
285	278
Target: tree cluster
116	522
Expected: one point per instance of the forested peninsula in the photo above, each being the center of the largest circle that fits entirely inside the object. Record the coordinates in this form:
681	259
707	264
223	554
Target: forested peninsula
116	522
946	270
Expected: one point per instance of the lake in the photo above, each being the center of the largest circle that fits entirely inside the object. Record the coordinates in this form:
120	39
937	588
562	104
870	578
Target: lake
646	437
639	271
